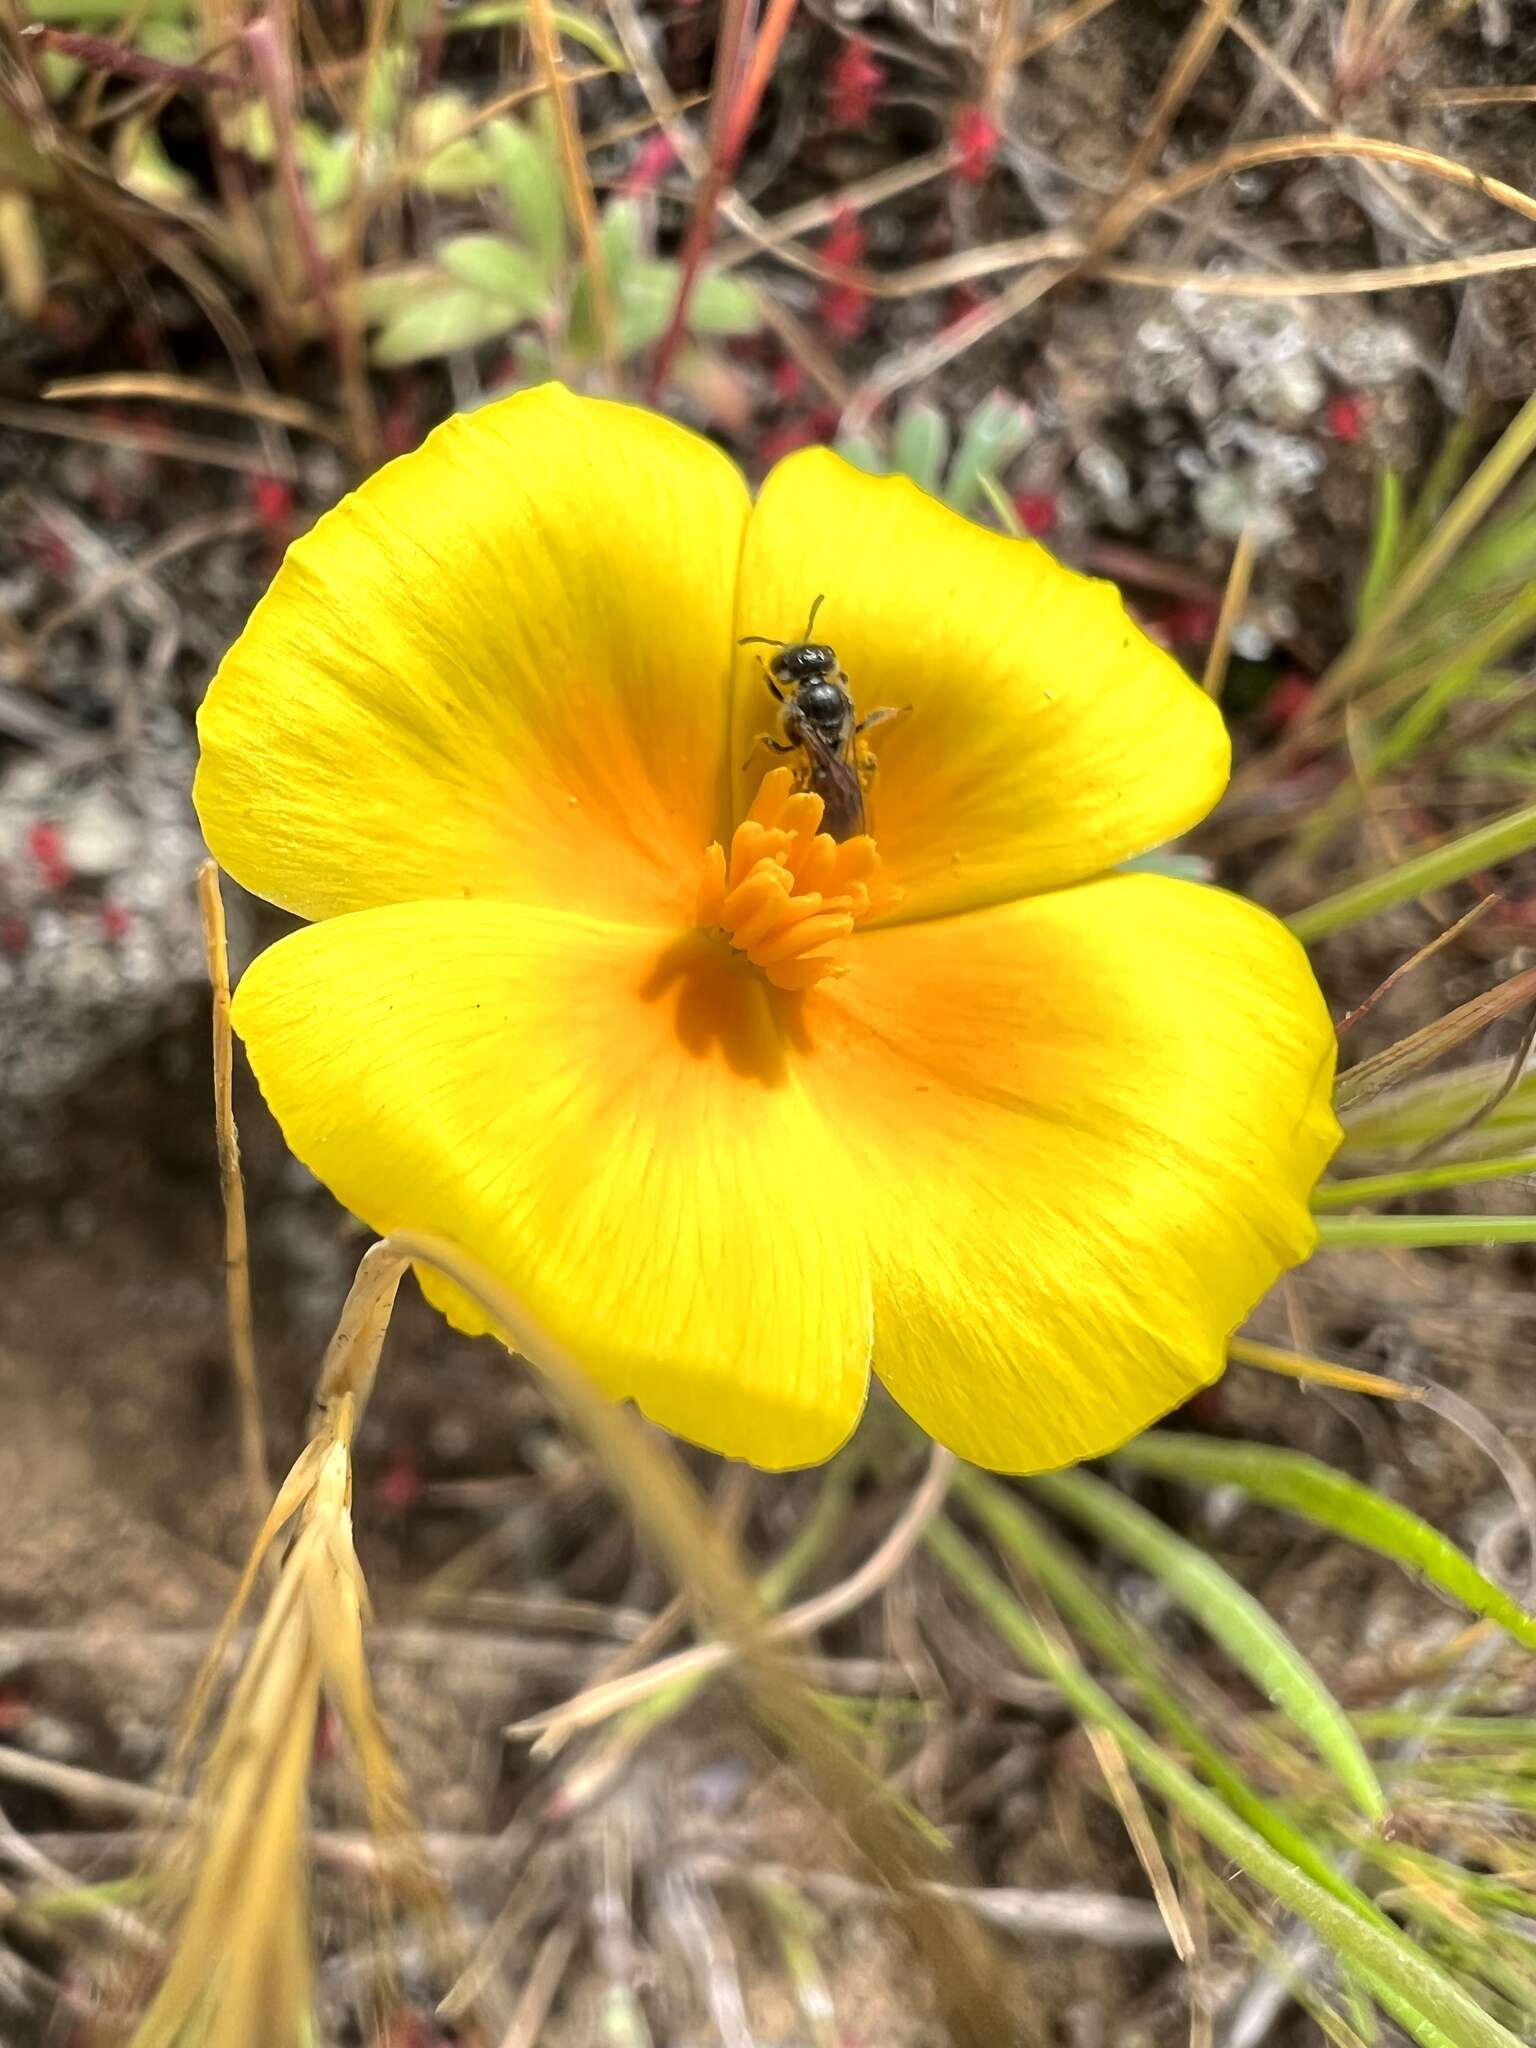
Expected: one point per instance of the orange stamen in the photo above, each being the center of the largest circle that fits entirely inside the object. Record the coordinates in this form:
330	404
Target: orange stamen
790	894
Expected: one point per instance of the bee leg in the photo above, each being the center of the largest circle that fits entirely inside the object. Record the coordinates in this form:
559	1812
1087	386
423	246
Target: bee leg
768	679
774	746
882	715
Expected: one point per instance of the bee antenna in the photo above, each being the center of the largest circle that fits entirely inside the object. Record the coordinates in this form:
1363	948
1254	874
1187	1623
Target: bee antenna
815	608
760	640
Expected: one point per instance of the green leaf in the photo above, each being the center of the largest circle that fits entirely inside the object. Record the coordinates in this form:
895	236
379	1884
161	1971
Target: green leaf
171	41
529	178
723	304
1231	1617
921	446
1307	1487
622	233
449	162
514	13
382	91
437	323
329	163
995	432
146	169
642	309
500	268
1500	839
250	131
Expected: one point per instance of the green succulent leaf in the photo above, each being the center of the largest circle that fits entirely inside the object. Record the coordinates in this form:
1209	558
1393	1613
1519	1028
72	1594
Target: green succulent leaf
863	452
998	430
921	445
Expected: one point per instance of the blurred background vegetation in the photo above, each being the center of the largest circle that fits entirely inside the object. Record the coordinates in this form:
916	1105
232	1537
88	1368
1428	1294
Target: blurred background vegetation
1231	1740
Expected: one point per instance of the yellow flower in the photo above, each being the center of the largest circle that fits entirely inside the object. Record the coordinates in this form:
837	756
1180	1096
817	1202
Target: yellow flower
735	1110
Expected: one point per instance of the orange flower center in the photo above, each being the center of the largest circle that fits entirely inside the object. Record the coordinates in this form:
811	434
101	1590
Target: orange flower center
789	894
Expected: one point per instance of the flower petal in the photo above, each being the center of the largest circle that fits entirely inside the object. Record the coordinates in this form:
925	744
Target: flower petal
498	669
603	1117
1049	739
1087	1126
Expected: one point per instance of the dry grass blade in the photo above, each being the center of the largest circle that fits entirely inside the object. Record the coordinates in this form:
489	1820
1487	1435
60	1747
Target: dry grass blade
1370	1078
968	1975
599	1701
1406	967
1052	31
237	1257
1235	596
1295	1365
240	1974
240	1970
1316	284
1280	149
1132	1810
262	405
171	447
577	181
1205	31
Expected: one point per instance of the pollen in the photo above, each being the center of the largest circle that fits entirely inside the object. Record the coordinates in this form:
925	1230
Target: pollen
789	894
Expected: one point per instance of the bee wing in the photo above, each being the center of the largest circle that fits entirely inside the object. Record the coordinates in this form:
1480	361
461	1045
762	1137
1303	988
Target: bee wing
834	776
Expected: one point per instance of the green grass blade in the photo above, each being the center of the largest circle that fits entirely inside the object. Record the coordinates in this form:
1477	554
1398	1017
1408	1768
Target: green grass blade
1418	1180
1431	2006
1421	1233
1231	1617
1386	545
1125	1645
1445	473
1428	1108
1424	569
1307	1487
1500	839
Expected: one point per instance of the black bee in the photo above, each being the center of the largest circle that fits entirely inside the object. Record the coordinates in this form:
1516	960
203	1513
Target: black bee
819	723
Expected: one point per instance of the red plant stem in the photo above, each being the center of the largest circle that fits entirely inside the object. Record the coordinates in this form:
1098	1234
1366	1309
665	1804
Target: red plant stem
270	67
735	124
98	53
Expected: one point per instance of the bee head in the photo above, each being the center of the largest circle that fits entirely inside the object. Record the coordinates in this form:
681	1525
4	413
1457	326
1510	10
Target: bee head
803	662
